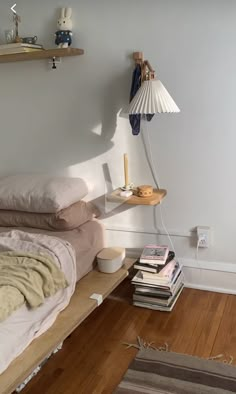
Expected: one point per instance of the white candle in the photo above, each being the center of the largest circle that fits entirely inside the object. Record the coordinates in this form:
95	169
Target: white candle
126	170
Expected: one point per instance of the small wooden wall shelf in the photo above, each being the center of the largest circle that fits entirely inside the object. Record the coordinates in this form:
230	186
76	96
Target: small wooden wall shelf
41	54
158	195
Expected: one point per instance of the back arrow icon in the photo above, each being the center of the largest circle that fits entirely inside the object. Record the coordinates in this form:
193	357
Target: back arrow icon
13	8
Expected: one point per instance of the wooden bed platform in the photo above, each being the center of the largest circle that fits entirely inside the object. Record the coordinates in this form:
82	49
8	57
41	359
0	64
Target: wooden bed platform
79	308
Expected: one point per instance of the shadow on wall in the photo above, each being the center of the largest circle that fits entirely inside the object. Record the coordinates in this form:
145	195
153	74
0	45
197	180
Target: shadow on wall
100	116
59	136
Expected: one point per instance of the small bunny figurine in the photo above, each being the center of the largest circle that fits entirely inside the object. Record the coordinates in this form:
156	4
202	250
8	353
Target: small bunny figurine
63	34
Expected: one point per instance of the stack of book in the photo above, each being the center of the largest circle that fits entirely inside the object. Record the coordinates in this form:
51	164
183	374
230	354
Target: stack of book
159	280
21	47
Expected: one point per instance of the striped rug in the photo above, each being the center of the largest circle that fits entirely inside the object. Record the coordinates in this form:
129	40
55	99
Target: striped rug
172	373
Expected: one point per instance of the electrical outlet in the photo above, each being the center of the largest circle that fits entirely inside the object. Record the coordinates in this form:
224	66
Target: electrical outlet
203	236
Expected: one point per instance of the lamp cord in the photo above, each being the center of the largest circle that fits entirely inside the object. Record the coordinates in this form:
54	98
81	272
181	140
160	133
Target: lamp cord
148	153
149	156
198	263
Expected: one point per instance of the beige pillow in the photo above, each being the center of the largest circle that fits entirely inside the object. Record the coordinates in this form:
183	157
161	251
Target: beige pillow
40	193
67	219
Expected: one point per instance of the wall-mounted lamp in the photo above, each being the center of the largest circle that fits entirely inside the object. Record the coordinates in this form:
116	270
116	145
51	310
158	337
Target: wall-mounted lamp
148	96
151	97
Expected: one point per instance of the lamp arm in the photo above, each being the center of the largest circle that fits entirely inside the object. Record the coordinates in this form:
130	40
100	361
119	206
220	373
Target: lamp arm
146	68
148	72
146	62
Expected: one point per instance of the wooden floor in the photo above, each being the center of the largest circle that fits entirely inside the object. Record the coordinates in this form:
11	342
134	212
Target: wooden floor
93	359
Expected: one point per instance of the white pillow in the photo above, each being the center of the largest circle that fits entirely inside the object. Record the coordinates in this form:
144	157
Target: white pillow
40	193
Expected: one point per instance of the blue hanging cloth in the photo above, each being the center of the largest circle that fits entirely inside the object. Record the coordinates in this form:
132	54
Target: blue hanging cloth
136	83
135	120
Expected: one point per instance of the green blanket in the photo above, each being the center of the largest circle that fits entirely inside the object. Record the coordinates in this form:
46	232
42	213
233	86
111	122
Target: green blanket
29	278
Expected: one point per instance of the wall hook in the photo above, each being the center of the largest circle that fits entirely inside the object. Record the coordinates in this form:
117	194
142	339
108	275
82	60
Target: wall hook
54	63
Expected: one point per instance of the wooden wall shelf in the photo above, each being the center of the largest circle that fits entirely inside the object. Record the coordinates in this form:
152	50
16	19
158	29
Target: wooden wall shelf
158	195
41	54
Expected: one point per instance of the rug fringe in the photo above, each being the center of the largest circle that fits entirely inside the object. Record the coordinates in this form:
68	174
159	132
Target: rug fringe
215	357
146	345
142	344
219	357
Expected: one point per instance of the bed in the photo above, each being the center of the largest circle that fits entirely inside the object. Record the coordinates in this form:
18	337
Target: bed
78	249
80	306
40	331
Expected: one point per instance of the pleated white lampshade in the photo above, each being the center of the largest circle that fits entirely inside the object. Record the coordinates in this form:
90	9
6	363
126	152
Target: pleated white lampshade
151	98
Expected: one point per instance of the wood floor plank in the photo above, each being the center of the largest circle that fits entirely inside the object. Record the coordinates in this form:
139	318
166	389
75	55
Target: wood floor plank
93	359
225	342
174	328
197	323
95	346
208	323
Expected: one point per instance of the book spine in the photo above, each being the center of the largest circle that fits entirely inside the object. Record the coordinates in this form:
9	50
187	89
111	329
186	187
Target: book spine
147	269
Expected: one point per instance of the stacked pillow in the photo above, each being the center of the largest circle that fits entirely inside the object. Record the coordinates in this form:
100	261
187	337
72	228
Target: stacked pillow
44	202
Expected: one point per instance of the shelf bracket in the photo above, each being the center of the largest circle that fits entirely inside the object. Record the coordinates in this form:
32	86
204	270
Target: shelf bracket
54	61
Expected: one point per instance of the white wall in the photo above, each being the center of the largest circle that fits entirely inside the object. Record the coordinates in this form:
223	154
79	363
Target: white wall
67	120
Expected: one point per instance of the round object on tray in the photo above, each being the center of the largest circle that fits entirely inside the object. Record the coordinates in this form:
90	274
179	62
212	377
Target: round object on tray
110	259
145	191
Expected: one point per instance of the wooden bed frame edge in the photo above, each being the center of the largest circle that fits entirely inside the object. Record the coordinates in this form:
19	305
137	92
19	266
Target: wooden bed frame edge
79	308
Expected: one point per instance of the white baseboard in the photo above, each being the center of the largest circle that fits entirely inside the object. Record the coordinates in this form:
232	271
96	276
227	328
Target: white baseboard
210	276
209	265
210	288
215	276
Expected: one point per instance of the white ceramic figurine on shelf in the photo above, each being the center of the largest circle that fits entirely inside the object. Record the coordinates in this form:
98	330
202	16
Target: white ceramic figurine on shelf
64	25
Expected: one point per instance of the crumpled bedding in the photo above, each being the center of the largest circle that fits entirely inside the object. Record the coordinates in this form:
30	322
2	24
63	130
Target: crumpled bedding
22	326
29	278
